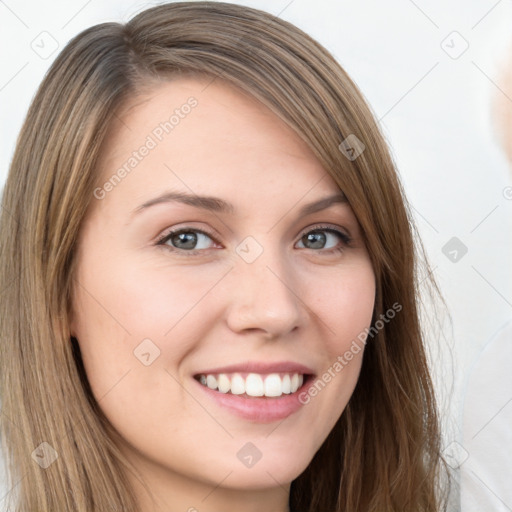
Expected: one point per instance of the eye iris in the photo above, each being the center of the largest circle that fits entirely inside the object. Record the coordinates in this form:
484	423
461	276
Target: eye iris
186	240
316	239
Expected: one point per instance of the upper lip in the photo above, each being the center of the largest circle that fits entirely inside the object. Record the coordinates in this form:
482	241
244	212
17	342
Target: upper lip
260	367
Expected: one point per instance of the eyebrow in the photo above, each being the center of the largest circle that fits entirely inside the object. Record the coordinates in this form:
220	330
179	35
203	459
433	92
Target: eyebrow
215	204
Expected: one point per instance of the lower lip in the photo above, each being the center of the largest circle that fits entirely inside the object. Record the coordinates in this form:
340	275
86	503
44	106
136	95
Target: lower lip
259	409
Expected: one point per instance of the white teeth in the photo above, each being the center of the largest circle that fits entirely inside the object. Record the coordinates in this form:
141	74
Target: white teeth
254	385
271	385
286	384
223	383
295	383
211	382
237	384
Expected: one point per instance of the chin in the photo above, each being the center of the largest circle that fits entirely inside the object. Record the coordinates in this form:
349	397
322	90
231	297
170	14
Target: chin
276	470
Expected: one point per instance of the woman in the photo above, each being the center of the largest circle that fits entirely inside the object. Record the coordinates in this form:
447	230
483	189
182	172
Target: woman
210	283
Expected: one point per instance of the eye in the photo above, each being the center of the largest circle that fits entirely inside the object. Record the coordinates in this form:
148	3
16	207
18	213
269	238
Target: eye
186	239
324	238
192	241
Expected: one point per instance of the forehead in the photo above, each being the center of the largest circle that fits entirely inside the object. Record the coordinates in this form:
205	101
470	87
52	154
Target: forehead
221	113
207	136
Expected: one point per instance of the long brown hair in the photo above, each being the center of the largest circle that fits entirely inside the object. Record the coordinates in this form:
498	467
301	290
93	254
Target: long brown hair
384	452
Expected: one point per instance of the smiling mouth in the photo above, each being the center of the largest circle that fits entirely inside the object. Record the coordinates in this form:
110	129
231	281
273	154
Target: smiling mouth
271	385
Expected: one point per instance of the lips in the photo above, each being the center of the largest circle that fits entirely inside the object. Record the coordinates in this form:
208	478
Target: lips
260	391
261	368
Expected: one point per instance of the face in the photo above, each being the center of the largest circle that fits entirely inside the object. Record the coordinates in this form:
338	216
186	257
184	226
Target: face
217	284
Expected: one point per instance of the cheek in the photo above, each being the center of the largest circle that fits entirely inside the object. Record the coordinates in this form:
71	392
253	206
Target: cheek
127	356
126	309
345	310
120	311
346	307
157	298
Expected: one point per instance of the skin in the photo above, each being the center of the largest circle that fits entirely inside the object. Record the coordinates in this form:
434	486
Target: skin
296	302
502	108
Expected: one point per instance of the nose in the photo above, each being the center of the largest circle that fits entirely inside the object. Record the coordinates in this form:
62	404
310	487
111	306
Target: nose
265	297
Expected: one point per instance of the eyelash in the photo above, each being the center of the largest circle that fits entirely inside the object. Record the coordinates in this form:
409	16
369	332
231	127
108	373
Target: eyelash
345	239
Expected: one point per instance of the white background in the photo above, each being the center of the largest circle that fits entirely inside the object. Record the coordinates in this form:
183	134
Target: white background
435	112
